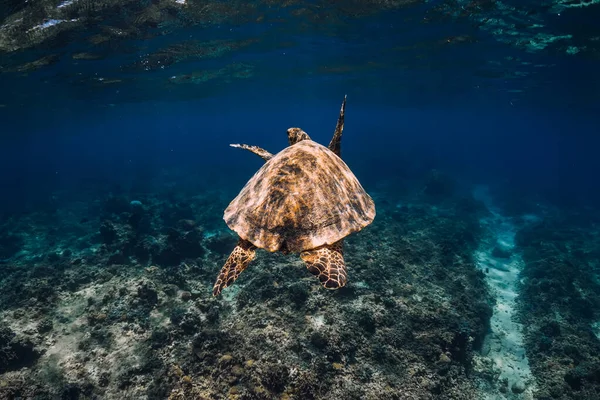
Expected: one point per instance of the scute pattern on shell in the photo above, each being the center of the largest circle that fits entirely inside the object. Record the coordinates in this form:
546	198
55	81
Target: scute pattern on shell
302	198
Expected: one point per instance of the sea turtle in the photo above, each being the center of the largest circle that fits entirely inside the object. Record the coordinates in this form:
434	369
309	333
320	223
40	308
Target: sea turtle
304	200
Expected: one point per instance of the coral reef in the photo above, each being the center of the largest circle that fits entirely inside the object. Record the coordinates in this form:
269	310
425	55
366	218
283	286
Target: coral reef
110	297
126	311
560	301
15	352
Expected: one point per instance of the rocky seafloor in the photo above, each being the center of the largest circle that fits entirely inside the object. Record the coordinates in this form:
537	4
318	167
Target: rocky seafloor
108	295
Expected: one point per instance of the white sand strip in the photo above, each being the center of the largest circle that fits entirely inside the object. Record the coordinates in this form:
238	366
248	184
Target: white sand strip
503	346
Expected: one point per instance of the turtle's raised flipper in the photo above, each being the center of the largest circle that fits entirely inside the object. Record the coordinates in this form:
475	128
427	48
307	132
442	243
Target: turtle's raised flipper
265	155
336	141
327	263
238	260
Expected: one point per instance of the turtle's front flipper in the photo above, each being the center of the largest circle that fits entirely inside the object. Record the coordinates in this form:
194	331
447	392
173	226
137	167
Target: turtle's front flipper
238	260
336	141
327	263
265	155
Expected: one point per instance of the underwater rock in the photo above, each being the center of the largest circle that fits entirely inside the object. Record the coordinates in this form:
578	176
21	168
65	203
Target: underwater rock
188	244
44	325
95	318
318	339
146	248
136	218
108	232
518	387
104	379
147	292
190	322
70	391
186	296
135	204
170	289
179	246
159	338
15	352
298	294
274	376
209	340
307	385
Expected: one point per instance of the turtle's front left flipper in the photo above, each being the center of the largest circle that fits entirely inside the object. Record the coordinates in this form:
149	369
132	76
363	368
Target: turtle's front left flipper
237	262
265	155
327	263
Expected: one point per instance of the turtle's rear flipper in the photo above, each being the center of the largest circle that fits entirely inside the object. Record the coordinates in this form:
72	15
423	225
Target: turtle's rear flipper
327	263
238	260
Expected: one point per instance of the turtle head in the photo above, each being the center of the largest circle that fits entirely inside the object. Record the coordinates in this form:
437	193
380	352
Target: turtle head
296	135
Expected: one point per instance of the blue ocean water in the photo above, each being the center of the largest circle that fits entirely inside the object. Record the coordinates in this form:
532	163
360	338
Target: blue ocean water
473	125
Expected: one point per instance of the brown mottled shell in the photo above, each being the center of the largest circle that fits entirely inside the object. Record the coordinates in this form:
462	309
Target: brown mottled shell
302	198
